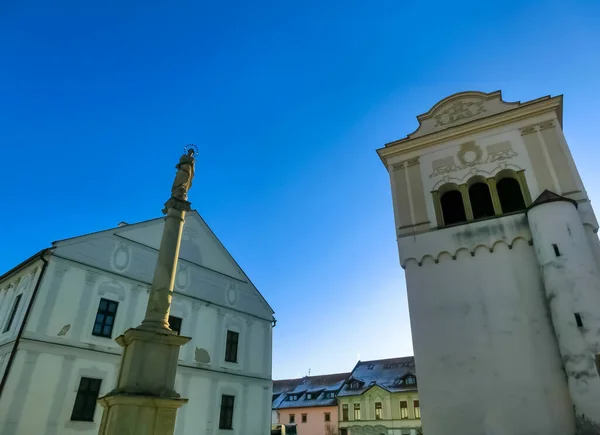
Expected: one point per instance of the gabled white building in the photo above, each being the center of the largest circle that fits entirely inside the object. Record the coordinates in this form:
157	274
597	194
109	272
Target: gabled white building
61	310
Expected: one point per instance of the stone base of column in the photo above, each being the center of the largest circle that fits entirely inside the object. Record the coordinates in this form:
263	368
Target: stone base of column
145	400
126	414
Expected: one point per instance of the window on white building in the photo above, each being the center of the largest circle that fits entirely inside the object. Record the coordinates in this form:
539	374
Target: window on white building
417	409
357	411
344	412
85	401
226	417
231	347
13	311
105	318
377	410
403	409
175	324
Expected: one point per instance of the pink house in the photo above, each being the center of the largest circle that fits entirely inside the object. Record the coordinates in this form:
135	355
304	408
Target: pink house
309	402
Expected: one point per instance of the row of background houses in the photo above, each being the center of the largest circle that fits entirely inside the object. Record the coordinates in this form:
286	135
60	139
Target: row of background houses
377	398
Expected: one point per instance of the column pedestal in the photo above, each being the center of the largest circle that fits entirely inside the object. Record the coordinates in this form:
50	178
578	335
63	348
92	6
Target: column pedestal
144	402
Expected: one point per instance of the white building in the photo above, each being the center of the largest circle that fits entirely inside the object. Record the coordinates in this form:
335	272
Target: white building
503	291
61	309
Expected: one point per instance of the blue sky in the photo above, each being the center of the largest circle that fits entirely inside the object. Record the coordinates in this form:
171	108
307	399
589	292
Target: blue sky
288	102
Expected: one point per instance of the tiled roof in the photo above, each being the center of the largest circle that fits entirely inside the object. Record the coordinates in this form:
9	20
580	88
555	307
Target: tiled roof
315	386
386	373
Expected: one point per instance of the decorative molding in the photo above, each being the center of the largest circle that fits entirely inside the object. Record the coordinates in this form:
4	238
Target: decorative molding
546	125
90	277
528	130
470	156
405	164
459	110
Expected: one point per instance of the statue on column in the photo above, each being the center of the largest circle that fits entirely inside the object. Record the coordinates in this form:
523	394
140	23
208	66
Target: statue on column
185	174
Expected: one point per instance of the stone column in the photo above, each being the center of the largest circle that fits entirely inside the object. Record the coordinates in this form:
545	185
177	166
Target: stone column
145	401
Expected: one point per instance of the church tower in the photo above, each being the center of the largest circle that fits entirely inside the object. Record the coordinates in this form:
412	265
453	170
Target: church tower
498	241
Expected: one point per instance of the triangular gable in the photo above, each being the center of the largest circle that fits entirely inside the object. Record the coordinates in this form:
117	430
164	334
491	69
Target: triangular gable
199	245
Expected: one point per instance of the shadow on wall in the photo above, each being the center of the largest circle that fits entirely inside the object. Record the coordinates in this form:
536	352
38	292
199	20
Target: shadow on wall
583	426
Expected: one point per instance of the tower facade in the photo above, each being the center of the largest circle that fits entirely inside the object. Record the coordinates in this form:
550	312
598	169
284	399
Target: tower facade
498	241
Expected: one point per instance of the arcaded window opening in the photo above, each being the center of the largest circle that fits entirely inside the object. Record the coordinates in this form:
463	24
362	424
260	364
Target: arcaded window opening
481	201
453	208
510	195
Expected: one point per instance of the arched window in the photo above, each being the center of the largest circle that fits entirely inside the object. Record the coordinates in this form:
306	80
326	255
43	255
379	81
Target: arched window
481	200
510	195
453	209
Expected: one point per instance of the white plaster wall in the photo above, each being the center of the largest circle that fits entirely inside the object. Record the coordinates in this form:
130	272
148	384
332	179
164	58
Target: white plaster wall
485	350
57	347
572	283
44	382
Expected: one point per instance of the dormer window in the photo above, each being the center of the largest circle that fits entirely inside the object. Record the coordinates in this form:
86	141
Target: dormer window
406	380
354	385
311	396
329	395
293	397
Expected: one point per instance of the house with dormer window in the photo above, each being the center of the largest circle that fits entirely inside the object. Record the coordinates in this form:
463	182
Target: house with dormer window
380	397
309	403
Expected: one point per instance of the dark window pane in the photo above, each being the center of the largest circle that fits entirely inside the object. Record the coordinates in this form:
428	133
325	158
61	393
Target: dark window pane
481	201
85	401
511	197
453	209
231	348
175	324
105	318
226	415
13	311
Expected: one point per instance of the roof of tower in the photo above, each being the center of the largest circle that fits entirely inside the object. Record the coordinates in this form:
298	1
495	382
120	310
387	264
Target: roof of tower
548	196
468	112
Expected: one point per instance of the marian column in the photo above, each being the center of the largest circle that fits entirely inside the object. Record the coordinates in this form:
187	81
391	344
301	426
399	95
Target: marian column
144	401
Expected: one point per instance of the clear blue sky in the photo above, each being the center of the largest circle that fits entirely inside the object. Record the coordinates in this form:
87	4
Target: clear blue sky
288	102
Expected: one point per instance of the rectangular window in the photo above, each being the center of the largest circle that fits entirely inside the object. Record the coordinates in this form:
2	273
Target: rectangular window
292	418
85	401
13	311
226	418
377	410
403	409
417	409
327	416
344	412
105	318
231	348
304	418
175	324
357	411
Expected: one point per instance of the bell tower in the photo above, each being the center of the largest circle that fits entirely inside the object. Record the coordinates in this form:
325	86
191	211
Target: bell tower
498	242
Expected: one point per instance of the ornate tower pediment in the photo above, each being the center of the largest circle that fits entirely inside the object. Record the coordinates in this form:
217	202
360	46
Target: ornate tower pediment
461	108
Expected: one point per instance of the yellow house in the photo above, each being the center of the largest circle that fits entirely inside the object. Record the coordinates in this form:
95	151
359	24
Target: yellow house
380	398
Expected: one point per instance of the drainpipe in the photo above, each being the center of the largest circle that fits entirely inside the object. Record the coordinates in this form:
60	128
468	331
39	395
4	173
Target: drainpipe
23	323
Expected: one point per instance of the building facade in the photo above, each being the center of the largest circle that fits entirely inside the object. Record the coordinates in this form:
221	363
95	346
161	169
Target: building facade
380	398
61	310
309	403
498	241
